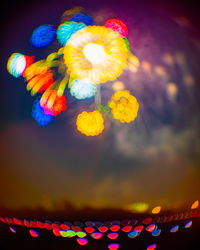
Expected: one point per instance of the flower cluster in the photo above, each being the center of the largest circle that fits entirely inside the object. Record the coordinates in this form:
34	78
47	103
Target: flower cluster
90	123
124	106
90	55
96	52
53	104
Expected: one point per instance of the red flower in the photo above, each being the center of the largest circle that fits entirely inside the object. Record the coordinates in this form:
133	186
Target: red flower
53	104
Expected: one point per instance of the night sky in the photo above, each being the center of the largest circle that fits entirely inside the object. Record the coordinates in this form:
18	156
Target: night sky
154	160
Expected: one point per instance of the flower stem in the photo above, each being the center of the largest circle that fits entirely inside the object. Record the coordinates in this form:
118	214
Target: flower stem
98	96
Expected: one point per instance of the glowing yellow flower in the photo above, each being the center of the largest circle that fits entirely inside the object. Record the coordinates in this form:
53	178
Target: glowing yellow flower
90	123
124	106
96	52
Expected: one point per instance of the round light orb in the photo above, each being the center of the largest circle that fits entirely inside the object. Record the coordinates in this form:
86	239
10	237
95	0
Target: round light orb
94	53
16	64
82	89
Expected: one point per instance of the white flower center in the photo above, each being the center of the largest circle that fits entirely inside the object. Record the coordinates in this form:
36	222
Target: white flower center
94	53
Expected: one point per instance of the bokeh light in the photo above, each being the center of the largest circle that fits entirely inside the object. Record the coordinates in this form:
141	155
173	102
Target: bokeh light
103	229
188	224
124	106
83	18
43	36
138	228
13	230
82	241
97	235
133	234
113	246
90	123
57	232
66	30
39	114
151	227
156	232
156	210
138	207
113	236
174	229
117	25
127	229
81	234
16	64
33	233
152	247
195	204
114	228
82	89
118	85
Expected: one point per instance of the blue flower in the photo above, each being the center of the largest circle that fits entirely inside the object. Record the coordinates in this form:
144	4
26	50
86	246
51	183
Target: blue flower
39	115
43	36
84	18
66	30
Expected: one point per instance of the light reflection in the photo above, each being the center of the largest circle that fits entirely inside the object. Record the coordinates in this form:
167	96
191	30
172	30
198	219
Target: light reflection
103	229
174	229
168	59
13	230
127	229
138	228
56	231
89	230
188	224
113	246
156	232
81	234
151	247
156	210
97	235
133	234
139	207
151	227
118	85
33	233
146	66
114	228
195	205
82	241
172	90
147	221
189	80
160	70
113	236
